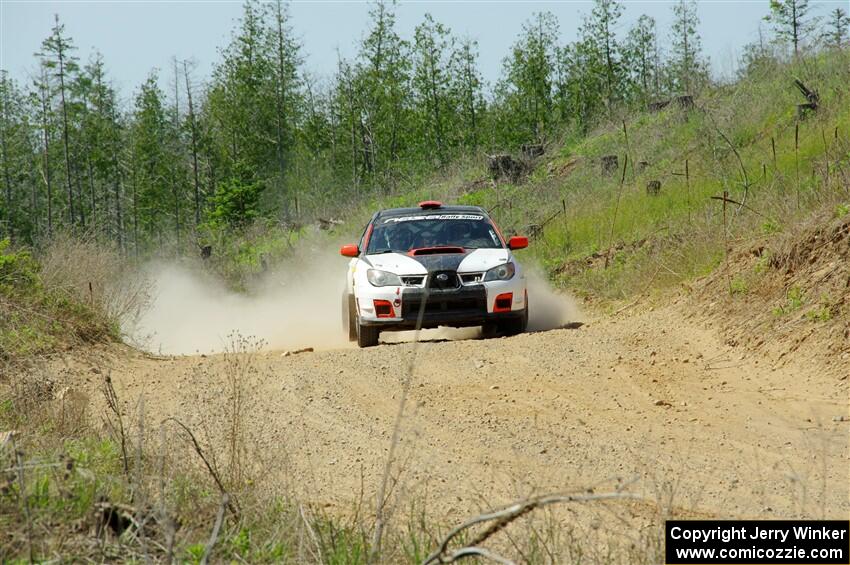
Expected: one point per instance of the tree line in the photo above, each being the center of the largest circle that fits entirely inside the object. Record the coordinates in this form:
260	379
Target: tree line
264	139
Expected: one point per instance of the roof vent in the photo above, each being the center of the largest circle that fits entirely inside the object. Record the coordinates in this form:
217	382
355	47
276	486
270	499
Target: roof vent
430	205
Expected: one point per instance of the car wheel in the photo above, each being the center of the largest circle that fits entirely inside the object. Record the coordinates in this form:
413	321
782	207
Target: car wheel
349	316
514	326
367	336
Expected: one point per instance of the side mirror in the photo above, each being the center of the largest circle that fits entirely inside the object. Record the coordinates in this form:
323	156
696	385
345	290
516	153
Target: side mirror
349	251
518	242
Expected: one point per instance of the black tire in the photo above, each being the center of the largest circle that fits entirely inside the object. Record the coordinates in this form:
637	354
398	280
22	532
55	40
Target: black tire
514	326
490	330
509	327
367	336
349	316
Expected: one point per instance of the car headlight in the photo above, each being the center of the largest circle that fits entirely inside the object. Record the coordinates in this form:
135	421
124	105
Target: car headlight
382	278
501	273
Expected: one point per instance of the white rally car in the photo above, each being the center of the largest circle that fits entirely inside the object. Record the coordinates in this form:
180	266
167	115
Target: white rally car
433	266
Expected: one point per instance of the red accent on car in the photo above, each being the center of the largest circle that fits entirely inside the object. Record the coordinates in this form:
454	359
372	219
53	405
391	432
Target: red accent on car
367	236
430	205
518	242
349	250
384	309
503	302
498	231
435	250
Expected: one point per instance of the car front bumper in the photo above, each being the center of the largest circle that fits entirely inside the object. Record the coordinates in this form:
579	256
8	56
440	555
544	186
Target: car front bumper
468	305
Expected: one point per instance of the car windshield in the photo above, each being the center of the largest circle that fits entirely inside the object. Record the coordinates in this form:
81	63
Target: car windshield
405	233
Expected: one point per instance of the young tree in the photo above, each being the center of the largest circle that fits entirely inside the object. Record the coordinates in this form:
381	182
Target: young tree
286	83
153	160
688	70
525	92
466	86
46	119
599	27
56	53
7	119
641	57
240	100
236	201
16	152
383	74
193	133
103	136
431	87
347	117
580	89
758	57
835	36
789	19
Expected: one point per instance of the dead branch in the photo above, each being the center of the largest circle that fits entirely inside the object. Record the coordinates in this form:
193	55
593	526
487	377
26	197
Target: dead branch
24	500
219	519
382	495
477	552
501	519
746	177
312	533
809	94
115	407
742	205
616	209
232	504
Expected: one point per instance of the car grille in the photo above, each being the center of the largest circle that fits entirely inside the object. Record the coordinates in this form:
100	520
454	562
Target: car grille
413	280
450	303
443	280
471	278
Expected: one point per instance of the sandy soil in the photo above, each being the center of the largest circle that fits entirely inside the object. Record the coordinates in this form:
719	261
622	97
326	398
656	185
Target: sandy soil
707	428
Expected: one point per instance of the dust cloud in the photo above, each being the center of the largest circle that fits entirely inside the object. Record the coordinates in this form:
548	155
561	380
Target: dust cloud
294	306
548	309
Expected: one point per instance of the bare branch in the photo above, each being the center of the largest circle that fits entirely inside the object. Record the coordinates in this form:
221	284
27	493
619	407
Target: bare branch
231	504
115	407
219	519
501	518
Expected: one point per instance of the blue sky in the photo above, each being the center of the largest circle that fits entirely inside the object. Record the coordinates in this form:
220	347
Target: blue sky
135	36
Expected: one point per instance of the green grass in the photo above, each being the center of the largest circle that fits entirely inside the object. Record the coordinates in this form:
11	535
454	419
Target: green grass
36	319
795	298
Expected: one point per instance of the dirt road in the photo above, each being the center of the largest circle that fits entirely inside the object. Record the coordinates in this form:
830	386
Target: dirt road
708	428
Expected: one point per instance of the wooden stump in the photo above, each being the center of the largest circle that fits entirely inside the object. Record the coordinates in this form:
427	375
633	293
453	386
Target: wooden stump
610	164
532	150
812	97
803	110
502	165
685	102
657	106
653	187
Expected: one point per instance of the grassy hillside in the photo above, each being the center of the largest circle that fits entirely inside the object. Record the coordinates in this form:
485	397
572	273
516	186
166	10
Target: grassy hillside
52	301
787	168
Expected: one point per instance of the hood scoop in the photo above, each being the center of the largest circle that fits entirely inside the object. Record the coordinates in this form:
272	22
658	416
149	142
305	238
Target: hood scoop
436	251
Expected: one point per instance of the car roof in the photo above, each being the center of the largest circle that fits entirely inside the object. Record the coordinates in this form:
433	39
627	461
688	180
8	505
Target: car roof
428	211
